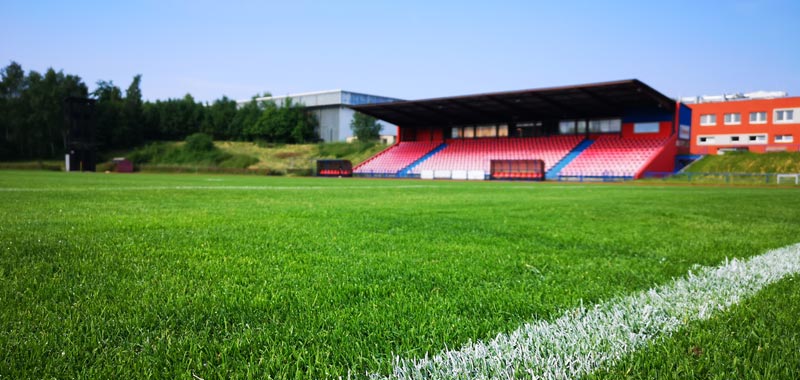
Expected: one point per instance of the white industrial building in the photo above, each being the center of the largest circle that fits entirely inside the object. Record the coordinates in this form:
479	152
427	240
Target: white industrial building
332	110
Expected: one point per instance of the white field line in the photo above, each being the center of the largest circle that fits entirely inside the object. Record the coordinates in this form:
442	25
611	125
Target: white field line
583	340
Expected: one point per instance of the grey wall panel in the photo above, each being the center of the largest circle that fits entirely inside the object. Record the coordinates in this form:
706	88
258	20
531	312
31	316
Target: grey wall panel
329	123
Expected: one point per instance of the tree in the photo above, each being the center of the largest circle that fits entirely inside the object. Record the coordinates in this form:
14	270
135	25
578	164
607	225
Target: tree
266	125
12	118
38	126
133	114
172	119
303	123
290	123
365	127
218	119
108	115
57	87
71	86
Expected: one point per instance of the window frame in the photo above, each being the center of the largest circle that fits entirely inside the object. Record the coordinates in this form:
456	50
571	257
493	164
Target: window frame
764	121
704	123
646	127
613	125
706	140
732	115
468	132
779	116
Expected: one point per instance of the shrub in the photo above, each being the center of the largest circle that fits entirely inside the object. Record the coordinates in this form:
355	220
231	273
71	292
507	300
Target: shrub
150	152
199	142
342	149
238	161
195	153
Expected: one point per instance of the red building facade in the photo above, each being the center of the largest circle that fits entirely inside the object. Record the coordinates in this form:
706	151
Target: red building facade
756	125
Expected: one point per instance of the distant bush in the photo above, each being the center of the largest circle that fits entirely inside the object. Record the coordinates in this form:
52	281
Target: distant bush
199	142
238	161
343	149
150	152
261	143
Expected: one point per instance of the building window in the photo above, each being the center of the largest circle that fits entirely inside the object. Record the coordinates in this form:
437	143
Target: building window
456	133
709	119
581	126
733	118
605	126
734	138
527	128
486	131
758	117
784	138
706	139
469	132
502	130
784	116
571	127
758	138
566	127
645	127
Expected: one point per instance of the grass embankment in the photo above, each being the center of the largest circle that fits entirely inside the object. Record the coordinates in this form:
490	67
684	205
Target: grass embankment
104	276
165	154
299	158
274	159
224	157
747	162
51	165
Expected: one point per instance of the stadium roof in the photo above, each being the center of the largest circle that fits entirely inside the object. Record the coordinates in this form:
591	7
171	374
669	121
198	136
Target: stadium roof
607	99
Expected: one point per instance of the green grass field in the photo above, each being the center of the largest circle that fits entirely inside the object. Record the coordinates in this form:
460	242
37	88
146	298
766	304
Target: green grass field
170	276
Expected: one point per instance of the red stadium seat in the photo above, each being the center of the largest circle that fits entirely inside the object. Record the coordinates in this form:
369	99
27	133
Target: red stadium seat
477	154
394	159
613	156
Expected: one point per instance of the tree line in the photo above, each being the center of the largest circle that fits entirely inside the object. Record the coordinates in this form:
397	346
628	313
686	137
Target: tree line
34	125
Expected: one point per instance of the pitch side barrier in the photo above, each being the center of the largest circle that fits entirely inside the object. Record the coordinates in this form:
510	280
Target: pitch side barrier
726	177
607	176
375	175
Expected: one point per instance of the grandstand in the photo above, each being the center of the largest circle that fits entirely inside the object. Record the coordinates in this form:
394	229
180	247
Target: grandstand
607	131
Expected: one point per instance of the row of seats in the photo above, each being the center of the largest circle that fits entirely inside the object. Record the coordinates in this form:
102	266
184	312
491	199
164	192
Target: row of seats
502	175
392	160
613	156
335	172
477	154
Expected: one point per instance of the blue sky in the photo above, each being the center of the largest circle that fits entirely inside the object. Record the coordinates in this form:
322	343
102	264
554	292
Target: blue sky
408	49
